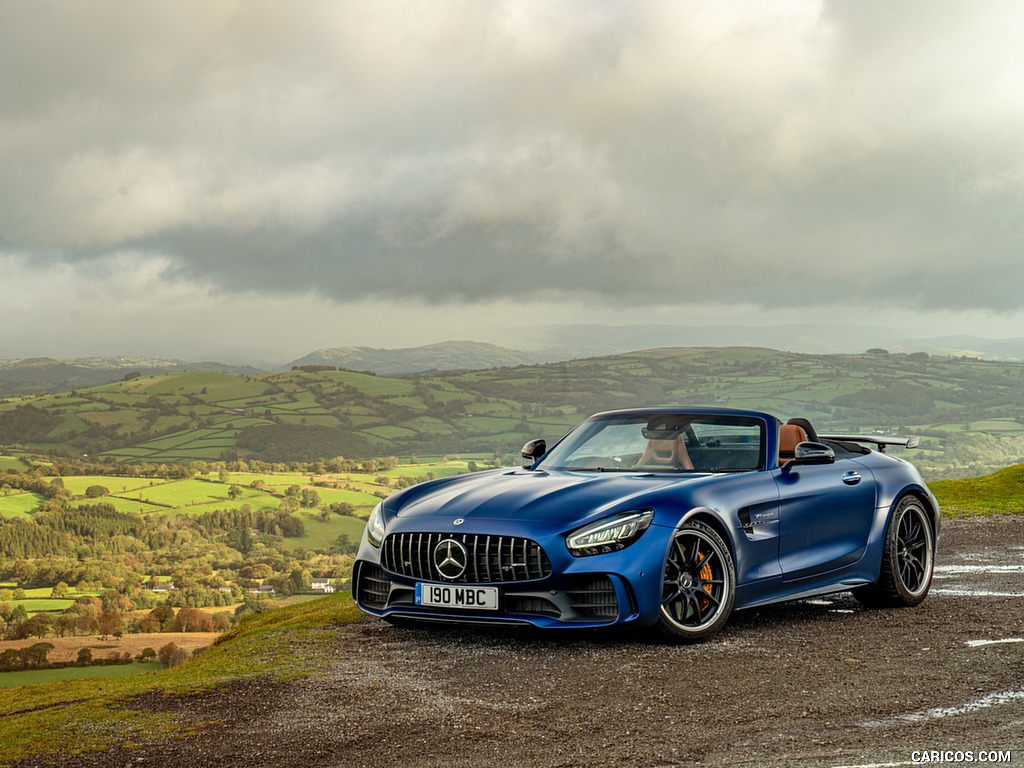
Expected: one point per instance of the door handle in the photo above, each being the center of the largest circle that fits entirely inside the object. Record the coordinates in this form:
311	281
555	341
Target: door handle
851	478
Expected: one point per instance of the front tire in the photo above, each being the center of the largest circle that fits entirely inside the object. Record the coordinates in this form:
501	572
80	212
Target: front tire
908	559
700	585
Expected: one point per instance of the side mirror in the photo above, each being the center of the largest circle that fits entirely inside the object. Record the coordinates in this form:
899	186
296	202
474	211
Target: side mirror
534	449
809	453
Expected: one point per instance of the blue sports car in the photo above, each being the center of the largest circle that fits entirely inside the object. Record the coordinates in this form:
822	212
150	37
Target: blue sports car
663	517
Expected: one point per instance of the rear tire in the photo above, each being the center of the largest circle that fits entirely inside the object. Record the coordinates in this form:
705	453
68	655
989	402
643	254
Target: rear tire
908	559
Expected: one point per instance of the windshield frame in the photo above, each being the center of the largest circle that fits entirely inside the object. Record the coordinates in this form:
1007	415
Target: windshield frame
559	457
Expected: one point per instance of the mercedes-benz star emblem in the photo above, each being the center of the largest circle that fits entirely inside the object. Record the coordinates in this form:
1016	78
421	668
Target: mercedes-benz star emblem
458	521
450	558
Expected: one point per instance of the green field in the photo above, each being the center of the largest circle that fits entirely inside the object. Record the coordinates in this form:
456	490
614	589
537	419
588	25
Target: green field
19	504
37	592
367	384
389	433
322	535
11	462
972	410
54	605
122	505
185	493
105	672
419	471
999	492
77	484
356	498
154	495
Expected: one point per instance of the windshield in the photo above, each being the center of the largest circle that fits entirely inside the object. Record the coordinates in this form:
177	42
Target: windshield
660	442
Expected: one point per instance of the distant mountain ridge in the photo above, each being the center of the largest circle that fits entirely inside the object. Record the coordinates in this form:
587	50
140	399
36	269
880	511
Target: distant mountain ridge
550	344
46	374
1011	349
534	345
442	356
822	339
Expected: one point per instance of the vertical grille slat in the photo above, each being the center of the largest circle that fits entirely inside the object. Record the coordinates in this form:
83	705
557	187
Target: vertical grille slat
490	559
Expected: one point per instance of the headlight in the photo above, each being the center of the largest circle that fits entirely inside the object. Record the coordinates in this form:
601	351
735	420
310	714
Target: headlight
610	534
375	527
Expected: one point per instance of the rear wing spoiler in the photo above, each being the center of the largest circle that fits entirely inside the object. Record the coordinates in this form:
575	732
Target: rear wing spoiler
877	441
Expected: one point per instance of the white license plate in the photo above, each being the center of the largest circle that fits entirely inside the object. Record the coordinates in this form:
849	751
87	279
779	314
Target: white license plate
457	596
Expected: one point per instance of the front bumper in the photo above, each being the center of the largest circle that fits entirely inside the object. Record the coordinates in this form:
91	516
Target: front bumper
574	600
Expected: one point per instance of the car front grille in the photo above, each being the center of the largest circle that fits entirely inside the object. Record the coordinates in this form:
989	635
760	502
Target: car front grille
489	558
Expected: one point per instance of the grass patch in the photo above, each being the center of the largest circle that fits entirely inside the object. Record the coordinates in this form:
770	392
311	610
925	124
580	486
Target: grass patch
275	481
19	504
12	462
997	493
43	605
320	534
369	384
40	676
430	425
38	592
83	715
183	493
121	505
335	495
310	419
419	471
388	432
77	484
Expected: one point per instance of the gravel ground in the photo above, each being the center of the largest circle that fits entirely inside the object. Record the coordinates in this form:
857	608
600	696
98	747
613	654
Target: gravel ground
816	683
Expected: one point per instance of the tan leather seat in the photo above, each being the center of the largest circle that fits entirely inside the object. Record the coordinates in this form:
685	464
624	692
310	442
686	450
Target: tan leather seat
669	453
790	435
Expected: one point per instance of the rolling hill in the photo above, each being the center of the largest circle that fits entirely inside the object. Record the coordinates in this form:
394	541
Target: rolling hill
45	374
970	412
443	356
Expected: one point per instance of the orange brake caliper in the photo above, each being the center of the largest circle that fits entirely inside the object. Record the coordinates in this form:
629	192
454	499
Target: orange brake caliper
706	574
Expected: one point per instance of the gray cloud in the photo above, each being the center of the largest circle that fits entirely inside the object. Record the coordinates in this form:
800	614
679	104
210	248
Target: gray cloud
661	152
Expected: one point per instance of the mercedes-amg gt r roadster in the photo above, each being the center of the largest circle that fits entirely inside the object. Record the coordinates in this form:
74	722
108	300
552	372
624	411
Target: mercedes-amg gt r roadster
663	517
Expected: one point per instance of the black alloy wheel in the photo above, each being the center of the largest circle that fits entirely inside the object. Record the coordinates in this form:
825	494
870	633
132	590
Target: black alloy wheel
699	587
908	559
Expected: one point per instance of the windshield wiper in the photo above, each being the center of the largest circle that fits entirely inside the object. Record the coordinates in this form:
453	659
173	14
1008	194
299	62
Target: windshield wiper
598	469
633	470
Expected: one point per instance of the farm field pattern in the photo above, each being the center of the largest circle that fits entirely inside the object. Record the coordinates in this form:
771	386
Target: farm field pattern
970	413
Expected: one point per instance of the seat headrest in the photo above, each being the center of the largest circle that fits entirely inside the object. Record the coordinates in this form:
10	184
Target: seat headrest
790	435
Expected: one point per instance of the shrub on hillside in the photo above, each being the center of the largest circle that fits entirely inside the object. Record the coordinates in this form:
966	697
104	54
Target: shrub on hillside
172	655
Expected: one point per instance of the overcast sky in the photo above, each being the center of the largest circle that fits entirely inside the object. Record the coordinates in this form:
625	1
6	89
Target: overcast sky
184	176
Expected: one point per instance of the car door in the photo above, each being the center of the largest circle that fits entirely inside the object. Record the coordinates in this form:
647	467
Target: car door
825	514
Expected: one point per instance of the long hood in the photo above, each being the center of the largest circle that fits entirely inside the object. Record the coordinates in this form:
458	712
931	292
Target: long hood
533	496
